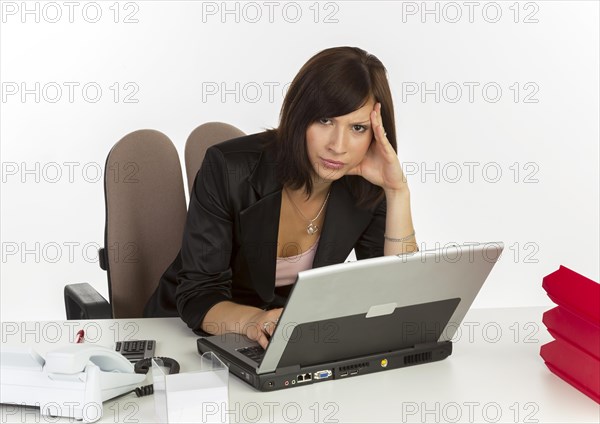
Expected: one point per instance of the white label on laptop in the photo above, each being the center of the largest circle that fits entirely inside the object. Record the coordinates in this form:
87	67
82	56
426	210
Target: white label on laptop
379	310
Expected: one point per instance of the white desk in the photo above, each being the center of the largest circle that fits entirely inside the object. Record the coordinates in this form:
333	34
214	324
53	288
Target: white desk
495	374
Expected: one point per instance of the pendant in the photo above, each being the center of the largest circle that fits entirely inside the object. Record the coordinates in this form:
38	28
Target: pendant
311	229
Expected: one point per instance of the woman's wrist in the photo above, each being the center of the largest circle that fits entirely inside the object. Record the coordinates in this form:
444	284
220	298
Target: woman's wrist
229	317
249	317
399	235
401	193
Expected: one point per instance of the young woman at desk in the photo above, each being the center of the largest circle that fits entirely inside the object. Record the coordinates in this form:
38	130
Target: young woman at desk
303	195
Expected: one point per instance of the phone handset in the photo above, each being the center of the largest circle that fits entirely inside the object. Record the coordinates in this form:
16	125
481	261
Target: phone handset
75	357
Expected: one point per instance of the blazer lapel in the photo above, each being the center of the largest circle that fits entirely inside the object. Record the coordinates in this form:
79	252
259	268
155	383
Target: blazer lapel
260	225
343	225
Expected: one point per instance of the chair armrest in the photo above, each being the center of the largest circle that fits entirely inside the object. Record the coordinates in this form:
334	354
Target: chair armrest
82	301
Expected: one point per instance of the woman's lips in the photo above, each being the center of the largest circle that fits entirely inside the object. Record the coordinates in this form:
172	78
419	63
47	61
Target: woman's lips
332	164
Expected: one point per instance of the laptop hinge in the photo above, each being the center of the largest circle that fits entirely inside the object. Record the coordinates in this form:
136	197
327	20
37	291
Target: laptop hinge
288	370
429	345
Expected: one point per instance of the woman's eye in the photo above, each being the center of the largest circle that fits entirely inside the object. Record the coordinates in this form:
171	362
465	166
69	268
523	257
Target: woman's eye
324	121
359	128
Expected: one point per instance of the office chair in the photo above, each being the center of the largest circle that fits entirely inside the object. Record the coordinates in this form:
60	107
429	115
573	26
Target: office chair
200	140
145	217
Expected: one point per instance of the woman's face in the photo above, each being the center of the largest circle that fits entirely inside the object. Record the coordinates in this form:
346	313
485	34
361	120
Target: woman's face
335	145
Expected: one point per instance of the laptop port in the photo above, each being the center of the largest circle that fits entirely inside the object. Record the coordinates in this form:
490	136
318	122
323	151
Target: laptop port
320	375
354	372
303	378
344	374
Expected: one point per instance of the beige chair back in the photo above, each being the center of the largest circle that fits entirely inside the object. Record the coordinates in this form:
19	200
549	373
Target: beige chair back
200	140
145	216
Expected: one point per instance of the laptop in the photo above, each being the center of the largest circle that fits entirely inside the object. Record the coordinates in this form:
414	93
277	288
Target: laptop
361	317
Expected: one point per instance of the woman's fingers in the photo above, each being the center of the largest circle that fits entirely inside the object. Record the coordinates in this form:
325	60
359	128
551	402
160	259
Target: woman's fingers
272	320
263	326
375	123
257	333
263	341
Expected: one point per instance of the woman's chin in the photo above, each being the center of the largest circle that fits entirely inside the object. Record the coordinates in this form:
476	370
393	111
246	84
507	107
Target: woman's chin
327	177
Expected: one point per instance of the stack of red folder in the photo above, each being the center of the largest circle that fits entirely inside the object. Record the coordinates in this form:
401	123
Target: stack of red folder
574	355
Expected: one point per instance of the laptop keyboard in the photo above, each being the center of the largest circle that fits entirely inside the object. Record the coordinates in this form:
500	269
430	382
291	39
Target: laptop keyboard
255	353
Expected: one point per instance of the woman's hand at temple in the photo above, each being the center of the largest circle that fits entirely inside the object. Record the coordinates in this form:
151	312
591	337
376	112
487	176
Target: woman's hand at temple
381	166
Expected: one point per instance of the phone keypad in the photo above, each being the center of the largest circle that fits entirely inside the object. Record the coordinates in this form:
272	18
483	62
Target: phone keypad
135	350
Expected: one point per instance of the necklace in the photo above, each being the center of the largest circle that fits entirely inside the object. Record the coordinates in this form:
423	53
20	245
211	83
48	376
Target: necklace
311	228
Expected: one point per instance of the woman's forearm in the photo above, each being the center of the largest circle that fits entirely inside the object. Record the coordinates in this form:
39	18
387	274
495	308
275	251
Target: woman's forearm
398	224
229	317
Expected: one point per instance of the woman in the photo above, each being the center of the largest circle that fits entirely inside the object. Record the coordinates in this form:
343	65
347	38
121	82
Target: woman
268	205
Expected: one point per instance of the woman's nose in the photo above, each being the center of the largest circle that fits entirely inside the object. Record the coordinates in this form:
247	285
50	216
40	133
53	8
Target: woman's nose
337	141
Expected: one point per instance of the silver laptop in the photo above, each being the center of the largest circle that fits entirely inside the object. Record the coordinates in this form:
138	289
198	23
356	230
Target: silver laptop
361	317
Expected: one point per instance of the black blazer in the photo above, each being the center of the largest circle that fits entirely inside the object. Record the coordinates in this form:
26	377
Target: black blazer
229	246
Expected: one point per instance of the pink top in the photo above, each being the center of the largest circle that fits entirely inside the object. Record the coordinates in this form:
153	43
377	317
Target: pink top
287	269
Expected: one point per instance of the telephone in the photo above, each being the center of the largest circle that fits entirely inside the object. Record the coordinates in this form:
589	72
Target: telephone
71	381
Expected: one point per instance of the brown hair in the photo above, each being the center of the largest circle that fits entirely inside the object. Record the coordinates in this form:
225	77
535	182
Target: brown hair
332	83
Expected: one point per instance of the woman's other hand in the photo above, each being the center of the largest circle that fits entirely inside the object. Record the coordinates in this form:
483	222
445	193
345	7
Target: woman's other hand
260	326
381	166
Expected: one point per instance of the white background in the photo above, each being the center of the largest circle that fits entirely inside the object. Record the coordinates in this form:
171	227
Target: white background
543	205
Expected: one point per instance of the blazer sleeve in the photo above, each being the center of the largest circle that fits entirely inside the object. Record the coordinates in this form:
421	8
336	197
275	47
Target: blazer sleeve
205	276
370	243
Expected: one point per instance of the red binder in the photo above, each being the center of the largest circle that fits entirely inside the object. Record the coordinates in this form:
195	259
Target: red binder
574	355
584	335
574	292
574	366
